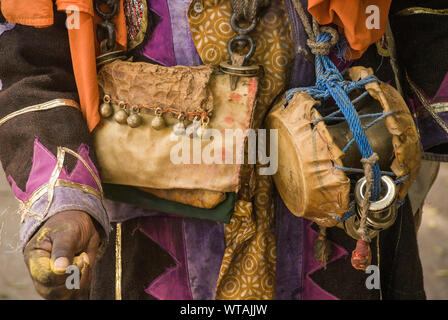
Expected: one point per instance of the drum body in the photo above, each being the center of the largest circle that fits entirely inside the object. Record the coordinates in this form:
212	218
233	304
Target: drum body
310	177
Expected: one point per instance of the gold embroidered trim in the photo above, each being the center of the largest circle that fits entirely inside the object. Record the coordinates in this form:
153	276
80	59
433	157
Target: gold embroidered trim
95	177
40	107
81	187
54	181
421	10
43	189
426	105
118	263
437	107
53	178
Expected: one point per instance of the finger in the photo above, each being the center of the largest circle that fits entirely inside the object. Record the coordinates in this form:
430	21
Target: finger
92	248
66	289
86	275
81	290
39	266
38	256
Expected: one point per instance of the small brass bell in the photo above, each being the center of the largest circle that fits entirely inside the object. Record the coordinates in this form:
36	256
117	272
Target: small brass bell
121	116
158	123
106	109
192	129
134	120
202	130
179	128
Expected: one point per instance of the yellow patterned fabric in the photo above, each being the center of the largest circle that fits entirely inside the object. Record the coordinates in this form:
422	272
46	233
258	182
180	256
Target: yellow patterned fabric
248	267
211	31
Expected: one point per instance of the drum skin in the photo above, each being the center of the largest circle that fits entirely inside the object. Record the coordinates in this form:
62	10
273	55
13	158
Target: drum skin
307	181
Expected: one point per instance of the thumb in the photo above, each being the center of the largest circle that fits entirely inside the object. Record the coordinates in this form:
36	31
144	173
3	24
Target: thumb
62	254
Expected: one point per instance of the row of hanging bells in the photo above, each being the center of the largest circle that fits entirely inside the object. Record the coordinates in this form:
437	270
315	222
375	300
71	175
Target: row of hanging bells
133	119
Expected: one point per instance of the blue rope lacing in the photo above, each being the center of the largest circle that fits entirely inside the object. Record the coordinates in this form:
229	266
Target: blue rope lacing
331	84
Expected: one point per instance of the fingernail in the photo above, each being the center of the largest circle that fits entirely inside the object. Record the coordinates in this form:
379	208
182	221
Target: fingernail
85	257
60	264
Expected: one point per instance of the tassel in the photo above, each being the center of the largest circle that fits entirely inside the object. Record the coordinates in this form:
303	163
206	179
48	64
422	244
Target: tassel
322	247
362	255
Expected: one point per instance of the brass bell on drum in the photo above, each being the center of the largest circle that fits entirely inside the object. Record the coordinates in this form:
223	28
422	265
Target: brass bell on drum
106	109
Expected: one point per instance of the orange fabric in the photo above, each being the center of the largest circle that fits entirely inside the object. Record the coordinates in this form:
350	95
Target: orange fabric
84	67
83	44
350	17
37	13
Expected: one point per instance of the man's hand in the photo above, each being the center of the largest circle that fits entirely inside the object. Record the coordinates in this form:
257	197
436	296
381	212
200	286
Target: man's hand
67	238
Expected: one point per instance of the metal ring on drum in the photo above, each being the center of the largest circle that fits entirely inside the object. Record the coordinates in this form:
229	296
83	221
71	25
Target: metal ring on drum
351	226
383	212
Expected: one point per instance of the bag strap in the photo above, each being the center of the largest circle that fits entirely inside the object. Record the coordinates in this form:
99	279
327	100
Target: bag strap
106	33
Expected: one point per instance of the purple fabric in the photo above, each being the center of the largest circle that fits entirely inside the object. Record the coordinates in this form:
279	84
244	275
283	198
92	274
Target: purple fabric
120	212
312	291
295	260
160	47
302	73
289	240
184	48
204	248
3	28
64	199
431	134
44	163
173	284
442	93
205	245
339	63
6	27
